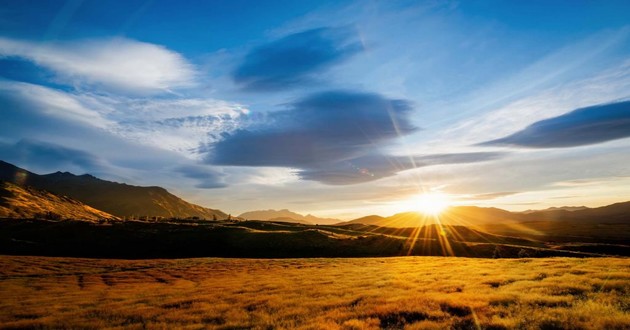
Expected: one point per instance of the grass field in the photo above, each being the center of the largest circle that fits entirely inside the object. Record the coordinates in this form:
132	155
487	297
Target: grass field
395	293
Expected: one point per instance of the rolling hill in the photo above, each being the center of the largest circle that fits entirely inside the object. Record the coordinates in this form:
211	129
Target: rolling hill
487	217
287	216
27	203
115	198
460	215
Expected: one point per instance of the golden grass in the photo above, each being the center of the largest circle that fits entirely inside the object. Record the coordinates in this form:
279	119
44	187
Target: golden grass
371	293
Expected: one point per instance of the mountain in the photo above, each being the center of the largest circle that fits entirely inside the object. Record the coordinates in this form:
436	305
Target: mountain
614	213
287	216
29	203
367	220
119	199
460	215
290	220
566	208
481	216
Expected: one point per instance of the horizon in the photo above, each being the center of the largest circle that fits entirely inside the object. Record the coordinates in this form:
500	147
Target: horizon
334	109
436	214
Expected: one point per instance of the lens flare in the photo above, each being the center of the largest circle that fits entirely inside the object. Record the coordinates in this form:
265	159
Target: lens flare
432	203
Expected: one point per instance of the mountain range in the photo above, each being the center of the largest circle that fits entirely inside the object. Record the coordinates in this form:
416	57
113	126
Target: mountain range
26	194
484	217
118	199
287	216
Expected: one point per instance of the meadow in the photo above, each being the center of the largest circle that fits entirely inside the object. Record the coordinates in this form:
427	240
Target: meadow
315	293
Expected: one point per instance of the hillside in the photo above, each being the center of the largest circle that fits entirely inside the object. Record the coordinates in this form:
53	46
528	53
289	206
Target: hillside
27	203
287	216
614	213
460	215
489	217
119	199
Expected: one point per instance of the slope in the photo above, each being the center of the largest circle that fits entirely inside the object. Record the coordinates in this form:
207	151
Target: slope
27	203
115	198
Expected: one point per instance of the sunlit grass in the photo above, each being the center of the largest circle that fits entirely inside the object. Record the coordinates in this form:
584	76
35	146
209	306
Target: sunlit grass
371	293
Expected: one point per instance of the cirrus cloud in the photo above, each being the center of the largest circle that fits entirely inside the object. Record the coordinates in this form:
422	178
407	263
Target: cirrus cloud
116	63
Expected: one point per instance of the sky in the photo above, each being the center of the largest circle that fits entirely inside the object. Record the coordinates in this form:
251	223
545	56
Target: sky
334	108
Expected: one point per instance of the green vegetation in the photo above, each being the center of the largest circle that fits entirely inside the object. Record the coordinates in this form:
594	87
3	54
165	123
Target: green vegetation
367	293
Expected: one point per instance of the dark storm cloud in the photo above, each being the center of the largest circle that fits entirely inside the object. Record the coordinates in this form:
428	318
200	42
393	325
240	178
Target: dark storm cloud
295	59
376	166
323	128
580	127
47	156
207	178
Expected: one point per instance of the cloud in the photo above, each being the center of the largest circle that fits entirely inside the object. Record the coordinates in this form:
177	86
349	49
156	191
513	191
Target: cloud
180	125
334	137
580	127
50	102
207	178
50	157
376	166
118	63
488	196
295	59
321	128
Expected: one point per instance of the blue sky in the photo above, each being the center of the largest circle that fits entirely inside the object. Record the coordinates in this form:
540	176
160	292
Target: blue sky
338	108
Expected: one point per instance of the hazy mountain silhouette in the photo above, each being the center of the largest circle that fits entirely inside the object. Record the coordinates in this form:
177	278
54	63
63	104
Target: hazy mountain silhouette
28	203
481	216
566	208
119	199
287	216
614	213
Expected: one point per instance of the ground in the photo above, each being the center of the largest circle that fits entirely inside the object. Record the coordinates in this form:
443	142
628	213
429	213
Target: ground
315	293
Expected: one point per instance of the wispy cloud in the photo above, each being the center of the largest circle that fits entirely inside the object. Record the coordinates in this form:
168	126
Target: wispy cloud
52	155
377	166
206	176
295	59
116	63
584	126
180	124
51	102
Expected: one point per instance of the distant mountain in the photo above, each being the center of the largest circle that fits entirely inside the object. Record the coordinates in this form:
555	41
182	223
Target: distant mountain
290	220
367	220
614	213
28	203
565	208
460	215
119	199
287	216
481	216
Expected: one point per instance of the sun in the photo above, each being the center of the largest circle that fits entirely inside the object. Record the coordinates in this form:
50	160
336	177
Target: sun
432	203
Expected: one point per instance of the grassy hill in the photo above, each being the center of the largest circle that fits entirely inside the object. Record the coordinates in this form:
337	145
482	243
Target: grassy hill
119	199
27	202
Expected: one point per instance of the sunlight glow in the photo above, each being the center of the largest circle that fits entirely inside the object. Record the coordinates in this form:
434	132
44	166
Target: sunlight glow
431	203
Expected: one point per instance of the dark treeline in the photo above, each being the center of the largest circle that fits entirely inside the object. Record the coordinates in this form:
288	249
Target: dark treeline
133	239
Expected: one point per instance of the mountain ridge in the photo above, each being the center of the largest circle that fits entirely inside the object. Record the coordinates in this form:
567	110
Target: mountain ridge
119	199
482	216
287	215
26	202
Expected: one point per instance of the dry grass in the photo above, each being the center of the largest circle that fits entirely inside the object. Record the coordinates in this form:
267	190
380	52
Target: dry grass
395	293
